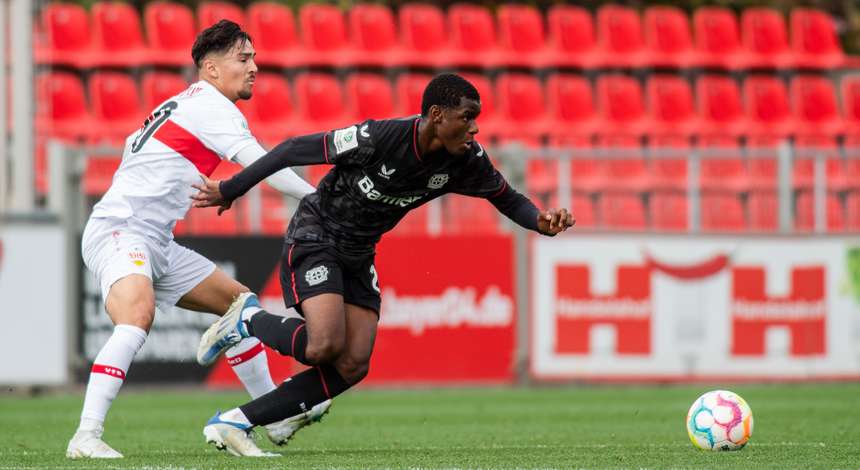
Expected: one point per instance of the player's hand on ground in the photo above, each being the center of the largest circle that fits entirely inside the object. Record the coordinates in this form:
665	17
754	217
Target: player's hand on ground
209	195
552	222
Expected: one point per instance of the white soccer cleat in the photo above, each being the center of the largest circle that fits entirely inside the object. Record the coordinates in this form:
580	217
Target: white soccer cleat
89	444
232	437
282	431
227	331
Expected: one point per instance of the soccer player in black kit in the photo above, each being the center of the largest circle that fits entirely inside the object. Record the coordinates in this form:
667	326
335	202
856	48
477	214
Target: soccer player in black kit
382	170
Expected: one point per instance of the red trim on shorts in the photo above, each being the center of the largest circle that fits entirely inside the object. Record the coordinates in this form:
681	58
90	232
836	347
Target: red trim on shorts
108	370
293	342
325	148
245	356
322	379
415	138
292	272
189	146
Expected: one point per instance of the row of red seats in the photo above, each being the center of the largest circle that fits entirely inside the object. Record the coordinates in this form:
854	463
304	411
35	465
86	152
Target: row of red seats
424	35
516	106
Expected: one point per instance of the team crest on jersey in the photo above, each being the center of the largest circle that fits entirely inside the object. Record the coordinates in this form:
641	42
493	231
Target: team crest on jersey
437	181
316	275
345	139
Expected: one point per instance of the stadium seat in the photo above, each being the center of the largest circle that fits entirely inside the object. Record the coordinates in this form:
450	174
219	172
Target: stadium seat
157	87
409	91
320	103
570	106
851	104
116	105
61	110
473	37
765	37
271	118
67	36
816	107
587	172
763	211
373	35
522	106
469	215
768	108
814	40
668	39
619	34
669	212
624	165
490	124
622	211
581	206
621	106
522	38
762	163
171	32
670	104
721	110
571	39
852	212
722	168
323	31
98	174
370	96
804	217
423	34
274	216
211	12
668	155
722	213
273	28
117	35
806	150
718	39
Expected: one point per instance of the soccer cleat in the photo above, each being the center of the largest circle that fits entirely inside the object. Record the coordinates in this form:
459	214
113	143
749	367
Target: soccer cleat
89	444
227	331
233	437
281	432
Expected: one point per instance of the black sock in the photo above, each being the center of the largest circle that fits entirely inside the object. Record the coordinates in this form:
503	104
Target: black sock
286	335
296	395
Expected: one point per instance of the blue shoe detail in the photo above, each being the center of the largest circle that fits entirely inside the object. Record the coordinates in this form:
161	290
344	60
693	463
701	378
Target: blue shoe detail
217	420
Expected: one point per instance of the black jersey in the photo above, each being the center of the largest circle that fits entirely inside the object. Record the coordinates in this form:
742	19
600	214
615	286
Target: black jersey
378	176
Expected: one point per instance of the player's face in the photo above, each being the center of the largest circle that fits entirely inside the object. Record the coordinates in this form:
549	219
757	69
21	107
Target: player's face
237	71
457	127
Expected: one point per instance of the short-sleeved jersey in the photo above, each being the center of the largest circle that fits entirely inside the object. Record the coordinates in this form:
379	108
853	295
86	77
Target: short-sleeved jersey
378	176
188	134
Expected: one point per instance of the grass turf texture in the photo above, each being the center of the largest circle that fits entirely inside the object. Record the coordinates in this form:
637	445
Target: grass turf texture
796	426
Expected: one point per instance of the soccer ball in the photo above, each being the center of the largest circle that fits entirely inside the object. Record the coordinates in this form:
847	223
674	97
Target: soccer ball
720	420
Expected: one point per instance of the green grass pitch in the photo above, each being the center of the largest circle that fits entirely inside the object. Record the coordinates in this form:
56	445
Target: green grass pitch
796	426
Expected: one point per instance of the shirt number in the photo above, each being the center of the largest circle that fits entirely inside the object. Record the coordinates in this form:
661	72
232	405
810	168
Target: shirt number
375	281
152	124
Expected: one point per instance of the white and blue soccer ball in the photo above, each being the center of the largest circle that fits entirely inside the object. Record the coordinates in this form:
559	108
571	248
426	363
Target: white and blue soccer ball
720	420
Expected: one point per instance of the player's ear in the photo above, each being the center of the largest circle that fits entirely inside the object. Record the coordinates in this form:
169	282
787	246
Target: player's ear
436	113
210	67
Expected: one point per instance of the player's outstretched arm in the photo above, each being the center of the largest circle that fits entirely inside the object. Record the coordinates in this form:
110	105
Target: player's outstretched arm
209	195
553	222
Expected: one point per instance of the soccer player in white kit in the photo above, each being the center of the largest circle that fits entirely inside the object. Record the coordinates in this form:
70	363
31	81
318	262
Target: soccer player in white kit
128	240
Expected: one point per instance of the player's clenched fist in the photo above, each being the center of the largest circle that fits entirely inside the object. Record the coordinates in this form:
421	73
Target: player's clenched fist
552	222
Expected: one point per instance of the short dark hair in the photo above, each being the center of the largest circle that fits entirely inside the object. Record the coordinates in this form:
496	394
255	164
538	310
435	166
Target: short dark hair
219	37
446	90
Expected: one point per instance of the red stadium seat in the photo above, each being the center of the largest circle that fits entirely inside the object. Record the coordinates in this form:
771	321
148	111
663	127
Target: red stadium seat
570	106
571	41
721	110
718	39
473	36
490	124
274	216
320	103
272	117
624	166
768	108
98	174
619	32
118	36
814	40
370	96
763	212
621	106
410	90
851	104
61	109
722	168
273	29
669	162
522	106
581	206
116	105
67	36
373	34
852	213
623	212
806	151
424	34
816	107
669	212
209	13
587	172
469	215
323	31
171	32
157	87
765	37
522	37
670	102
804	217
669	42
722	213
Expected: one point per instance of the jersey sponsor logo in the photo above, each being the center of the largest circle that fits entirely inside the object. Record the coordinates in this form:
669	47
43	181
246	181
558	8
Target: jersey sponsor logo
345	139
385	172
364	132
316	275
366	186
437	181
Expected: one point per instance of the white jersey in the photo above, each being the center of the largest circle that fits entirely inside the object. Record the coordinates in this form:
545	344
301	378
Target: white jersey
188	134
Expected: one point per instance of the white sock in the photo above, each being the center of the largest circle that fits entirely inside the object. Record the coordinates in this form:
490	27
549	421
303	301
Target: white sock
249	362
108	374
235	416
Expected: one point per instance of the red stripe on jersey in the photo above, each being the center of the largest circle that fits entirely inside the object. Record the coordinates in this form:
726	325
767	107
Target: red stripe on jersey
108	370
292	272
325	147
415	138
245	356
189	146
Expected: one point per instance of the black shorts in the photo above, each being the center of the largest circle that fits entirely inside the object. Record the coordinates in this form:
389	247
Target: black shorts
310	269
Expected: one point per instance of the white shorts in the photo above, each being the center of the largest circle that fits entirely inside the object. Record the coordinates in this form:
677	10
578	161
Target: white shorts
112	250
